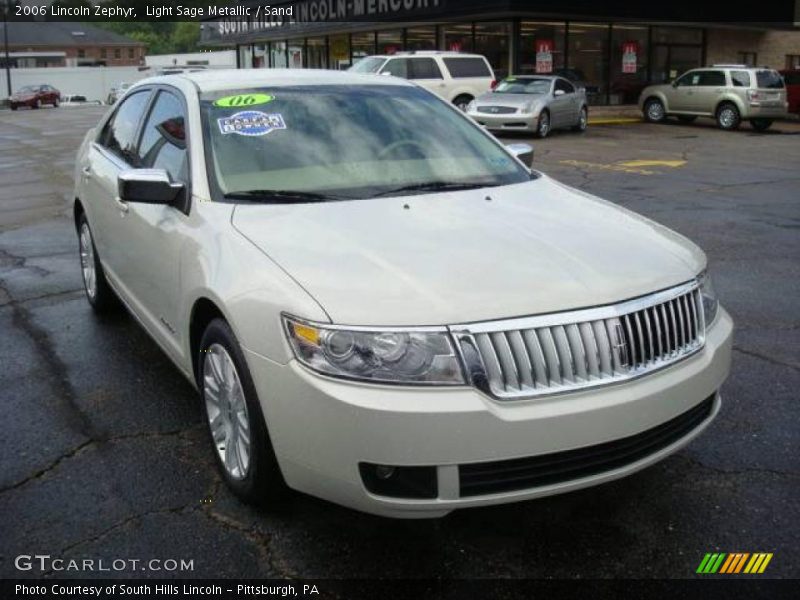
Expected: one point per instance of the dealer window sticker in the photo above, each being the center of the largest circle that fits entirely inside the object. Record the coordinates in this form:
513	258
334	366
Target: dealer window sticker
243	100
251	123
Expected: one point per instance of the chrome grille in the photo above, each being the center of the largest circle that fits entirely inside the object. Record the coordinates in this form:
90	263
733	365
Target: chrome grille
497	110
568	351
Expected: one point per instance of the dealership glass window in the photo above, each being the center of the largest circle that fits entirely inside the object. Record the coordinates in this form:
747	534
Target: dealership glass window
458	38
260	56
316	53
493	40
628	63
296	54
390	42
535	31
339	51
587	59
421	38
278	55
677	35
362	44
246	56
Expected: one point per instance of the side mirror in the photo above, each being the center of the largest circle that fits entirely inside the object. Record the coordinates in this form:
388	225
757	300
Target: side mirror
523	152
675	83
149	186
559	93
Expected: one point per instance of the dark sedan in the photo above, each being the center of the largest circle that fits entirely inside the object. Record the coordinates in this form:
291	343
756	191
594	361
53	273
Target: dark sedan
34	96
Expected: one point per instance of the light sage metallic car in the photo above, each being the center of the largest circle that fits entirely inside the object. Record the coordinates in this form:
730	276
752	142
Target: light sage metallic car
404	320
535	104
729	94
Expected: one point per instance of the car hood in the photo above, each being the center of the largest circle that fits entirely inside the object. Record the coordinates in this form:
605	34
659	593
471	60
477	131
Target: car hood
515	100
660	87
459	257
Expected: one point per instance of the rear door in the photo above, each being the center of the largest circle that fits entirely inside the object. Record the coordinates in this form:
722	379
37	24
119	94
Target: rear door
707	92
425	72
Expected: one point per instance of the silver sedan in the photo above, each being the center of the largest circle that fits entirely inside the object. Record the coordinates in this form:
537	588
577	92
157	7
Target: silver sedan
533	103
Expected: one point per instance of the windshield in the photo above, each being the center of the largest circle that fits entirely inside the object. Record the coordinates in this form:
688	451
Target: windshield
514	85
371	64
769	79
28	89
340	142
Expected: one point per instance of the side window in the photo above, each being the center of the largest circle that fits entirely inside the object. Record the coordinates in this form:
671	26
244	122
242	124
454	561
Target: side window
740	78
467	67
689	79
119	134
424	68
163	144
709	78
397	67
564	86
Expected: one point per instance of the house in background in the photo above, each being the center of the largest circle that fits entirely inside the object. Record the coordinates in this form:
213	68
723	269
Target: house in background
43	44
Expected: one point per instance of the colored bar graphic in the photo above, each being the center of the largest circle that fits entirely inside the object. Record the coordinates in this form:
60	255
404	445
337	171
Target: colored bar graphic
734	563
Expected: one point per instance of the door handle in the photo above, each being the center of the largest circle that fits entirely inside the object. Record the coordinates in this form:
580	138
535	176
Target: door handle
86	171
121	205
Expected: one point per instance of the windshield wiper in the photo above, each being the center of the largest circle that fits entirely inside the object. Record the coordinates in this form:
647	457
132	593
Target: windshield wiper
281	196
434	186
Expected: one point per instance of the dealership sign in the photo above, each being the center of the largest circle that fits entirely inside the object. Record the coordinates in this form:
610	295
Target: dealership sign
544	56
630	53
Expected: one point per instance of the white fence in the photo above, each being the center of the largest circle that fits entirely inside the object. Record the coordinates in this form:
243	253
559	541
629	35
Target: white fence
93	82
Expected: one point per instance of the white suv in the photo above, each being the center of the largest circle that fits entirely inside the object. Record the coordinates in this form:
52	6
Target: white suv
458	78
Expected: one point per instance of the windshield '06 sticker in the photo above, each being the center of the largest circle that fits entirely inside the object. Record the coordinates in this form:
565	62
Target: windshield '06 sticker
251	123
243	100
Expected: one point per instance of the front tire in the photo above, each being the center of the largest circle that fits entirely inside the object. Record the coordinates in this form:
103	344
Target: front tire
543	126
760	124
728	117
654	111
583	121
99	294
236	425
37	104
462	102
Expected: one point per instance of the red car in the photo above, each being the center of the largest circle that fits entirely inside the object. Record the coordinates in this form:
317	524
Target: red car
34	96
791	77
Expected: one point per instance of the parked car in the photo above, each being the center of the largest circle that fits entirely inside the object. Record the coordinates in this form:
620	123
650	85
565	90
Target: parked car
456	77
728	93
531	103
399	318
117	92
73	100
34	96
791	78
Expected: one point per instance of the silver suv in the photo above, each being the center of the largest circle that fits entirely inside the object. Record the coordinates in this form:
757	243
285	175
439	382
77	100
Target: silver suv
728	93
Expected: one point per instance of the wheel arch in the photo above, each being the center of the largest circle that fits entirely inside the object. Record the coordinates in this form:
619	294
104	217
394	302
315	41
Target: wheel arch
730	100
204	310
77	211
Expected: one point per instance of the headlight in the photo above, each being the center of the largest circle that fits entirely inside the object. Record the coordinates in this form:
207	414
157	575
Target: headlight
388	356
526	108
709	297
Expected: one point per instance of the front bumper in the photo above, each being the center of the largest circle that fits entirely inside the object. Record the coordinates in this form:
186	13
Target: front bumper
322	428
508	122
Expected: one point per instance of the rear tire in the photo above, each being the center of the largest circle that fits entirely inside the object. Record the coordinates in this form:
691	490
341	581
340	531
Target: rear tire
654	111
99	294
56	102
760	124
462	102
687	119
236	425
728	117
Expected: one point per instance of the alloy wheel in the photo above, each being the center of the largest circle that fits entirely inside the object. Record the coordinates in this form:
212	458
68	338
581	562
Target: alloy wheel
544	124
655	111
226	409
87	261
727	117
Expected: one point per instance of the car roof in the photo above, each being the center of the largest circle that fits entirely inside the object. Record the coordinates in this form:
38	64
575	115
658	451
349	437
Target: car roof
427	54
534	77
224	79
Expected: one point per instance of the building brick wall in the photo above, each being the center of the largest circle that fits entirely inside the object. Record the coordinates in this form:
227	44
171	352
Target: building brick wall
112	56
771	47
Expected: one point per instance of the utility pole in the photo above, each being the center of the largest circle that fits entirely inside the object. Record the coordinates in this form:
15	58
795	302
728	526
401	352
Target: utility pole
6	9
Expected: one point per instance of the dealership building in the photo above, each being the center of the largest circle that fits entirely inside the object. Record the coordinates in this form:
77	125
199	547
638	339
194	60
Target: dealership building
615	47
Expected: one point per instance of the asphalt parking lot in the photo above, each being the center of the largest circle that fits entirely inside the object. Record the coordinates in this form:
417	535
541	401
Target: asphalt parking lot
104	454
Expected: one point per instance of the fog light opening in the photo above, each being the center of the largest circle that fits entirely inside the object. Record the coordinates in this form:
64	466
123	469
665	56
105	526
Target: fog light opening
384	472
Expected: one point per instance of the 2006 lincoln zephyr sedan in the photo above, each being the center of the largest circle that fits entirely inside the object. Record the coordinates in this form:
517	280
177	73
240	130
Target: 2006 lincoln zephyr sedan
383	306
